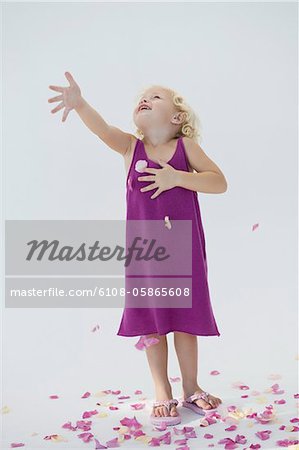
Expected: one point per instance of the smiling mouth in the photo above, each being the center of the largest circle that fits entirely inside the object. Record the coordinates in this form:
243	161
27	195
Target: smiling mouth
144	109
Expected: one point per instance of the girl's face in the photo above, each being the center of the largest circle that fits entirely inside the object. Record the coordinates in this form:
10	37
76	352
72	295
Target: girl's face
155	109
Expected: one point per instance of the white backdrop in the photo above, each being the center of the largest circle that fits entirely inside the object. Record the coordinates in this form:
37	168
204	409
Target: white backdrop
236	64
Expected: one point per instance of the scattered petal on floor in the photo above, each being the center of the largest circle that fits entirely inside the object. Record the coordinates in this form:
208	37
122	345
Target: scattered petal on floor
138	406
267	423
5	410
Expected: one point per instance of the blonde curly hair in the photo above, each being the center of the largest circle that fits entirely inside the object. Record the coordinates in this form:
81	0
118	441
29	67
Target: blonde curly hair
191	125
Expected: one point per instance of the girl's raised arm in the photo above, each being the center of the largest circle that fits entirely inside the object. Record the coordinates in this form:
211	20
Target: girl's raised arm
71	98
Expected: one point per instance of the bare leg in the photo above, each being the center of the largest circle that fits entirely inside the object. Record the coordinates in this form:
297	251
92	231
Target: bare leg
157	356
187	353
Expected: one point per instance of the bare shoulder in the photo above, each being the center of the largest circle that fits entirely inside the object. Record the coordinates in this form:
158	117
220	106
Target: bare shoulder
188	144
129	153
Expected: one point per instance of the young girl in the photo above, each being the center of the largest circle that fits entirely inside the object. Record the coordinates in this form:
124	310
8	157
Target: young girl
166	168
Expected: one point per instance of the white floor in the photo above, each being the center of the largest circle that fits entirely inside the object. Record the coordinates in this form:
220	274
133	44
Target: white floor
30	415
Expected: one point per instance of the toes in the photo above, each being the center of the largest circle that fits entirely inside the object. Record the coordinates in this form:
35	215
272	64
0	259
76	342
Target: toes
173	412
165	411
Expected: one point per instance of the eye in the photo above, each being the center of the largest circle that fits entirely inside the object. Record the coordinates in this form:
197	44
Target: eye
157	96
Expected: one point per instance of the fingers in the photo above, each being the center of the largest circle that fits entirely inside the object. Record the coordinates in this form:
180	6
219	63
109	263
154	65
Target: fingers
55	99
70	78
158	192
149	187
65	114
56	88
58	107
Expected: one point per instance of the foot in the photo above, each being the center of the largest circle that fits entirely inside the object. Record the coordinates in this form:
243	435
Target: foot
162	411
213	402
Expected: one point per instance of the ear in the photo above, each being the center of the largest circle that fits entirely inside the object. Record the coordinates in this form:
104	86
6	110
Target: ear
178	117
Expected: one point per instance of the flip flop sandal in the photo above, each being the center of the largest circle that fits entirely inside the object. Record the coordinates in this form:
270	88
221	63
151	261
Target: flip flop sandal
188	403
169	420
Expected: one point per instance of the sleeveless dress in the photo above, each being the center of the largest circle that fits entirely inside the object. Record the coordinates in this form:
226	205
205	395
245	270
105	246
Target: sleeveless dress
179	204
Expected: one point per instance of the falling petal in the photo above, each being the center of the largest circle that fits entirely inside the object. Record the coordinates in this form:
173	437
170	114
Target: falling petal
14	444
254	227
138	392
144	342
175	379
86	395
97	327
53	396
214	372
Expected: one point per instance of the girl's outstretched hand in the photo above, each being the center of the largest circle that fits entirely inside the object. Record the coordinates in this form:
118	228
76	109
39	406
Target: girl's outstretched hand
70	96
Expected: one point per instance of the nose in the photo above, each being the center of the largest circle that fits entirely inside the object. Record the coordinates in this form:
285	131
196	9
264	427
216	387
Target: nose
143	101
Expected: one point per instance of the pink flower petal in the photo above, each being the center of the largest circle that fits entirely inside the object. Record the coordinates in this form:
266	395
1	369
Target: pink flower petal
138	406
208	436
113	443
263	435
53	396
88	414
294	420
98	445
84	425
86	395
86	437
68	426
131	423
181	441
138	392
144	342
175	379
231	428
17	444
214	372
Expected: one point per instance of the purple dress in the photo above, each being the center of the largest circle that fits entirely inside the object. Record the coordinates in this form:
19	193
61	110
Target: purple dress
177	203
